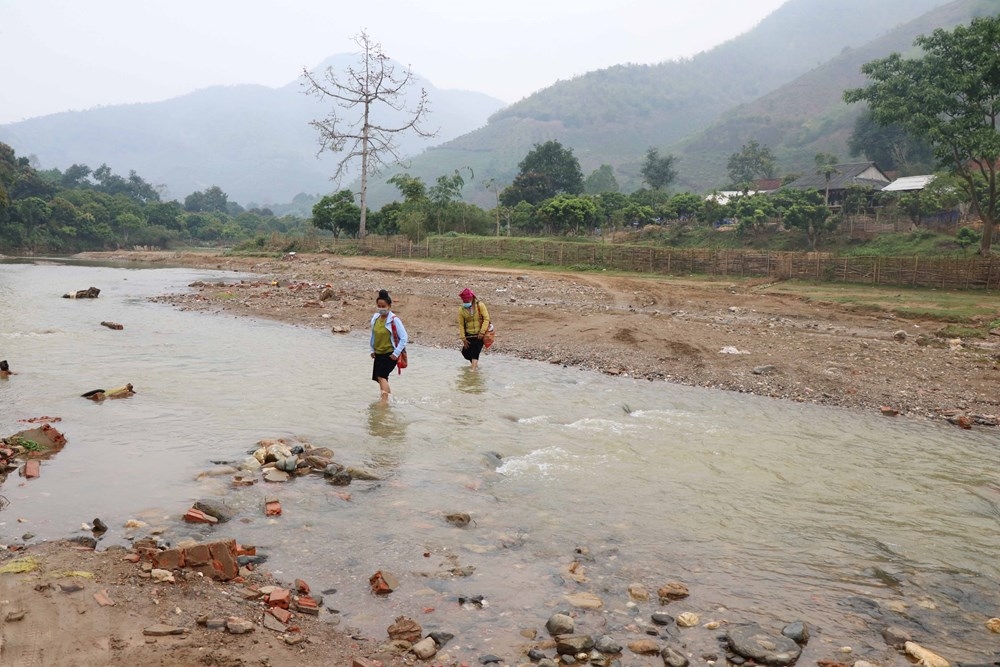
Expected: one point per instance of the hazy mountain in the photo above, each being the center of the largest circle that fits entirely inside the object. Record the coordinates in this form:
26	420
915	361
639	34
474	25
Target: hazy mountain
613	115
252	141
807	116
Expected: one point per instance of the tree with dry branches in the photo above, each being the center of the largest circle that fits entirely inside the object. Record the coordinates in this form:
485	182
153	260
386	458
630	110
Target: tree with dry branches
355	127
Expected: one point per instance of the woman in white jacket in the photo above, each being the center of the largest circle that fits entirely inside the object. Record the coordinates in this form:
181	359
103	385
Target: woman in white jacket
387	343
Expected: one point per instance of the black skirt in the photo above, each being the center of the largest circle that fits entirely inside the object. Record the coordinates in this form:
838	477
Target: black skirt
472	350
382	366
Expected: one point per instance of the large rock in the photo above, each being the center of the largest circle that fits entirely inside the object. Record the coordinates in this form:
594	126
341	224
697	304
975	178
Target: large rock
753	642
574	644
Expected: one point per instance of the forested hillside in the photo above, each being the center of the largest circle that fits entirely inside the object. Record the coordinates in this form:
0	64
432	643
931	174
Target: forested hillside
612	115
252	141
808	115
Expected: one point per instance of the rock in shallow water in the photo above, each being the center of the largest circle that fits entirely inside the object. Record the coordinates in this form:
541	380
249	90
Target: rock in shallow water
753	642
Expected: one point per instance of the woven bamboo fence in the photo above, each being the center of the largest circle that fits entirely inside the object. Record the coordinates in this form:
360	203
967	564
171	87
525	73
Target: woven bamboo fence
941	272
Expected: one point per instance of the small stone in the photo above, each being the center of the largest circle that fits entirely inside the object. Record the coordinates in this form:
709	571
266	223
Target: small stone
638	592
672	658
275	475
14	616
607	644
425	649
993	625
585	600
895	636
798	632
672	590
662	618
899	336
162	630
572	645
687	620
405	629
644	647
924	657
560	624
238	626
460	519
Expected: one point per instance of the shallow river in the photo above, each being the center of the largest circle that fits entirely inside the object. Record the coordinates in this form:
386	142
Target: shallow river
769	511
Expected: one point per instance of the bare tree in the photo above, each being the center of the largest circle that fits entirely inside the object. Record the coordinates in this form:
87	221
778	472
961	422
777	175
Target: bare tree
363	89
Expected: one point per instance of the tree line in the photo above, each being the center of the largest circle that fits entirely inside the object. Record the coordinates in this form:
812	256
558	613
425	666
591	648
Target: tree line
95	209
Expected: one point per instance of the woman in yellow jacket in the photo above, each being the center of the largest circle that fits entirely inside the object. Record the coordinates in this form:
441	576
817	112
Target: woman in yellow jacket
473	322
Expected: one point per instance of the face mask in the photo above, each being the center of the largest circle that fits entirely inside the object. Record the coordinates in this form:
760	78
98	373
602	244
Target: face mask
383	311
467	304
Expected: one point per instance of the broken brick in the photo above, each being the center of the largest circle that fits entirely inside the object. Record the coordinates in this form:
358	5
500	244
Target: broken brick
197	555
301	587
103	599
197	516
280	597
272	508
169	559
224	560
32	469
305	604
281	614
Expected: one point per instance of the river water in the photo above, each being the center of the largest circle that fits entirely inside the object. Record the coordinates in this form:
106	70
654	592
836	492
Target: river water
769	511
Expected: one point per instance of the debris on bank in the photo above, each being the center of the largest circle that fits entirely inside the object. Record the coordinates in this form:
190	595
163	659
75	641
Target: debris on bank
25	450
89	293
118	392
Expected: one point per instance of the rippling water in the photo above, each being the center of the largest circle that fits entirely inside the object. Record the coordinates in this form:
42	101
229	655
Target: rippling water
769	511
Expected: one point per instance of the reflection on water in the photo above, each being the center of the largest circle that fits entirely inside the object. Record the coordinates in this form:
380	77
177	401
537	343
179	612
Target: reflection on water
769	511
388	429
471	381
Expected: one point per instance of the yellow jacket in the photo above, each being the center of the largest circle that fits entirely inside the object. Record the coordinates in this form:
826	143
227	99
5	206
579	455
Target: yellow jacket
474	321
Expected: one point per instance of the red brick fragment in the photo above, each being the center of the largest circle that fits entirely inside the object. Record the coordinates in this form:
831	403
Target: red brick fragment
131	558
244	550
305	604
197	555
224	560
32	469
197	516
169	559
103	599
272	508
301	587
280	597
281	614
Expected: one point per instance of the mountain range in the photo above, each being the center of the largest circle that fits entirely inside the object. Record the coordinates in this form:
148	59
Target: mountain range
779	83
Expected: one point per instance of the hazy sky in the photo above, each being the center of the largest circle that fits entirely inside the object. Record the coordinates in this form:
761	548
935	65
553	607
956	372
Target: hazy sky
59	55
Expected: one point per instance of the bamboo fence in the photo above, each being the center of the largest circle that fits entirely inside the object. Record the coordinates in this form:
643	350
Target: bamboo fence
940	272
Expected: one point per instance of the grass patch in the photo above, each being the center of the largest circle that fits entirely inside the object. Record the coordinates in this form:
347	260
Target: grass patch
909	303
960	331
27	444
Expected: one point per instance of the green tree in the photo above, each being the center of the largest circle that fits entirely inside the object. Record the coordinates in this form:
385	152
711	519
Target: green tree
210	200
337	213
372	86
411	187
950	98
566	212
546	171
890	146
601	180
807	212
751	162
658	171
